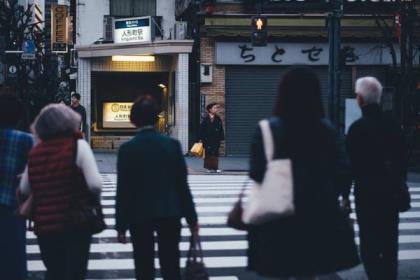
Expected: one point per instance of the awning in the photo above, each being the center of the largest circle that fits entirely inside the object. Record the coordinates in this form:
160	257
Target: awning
155	48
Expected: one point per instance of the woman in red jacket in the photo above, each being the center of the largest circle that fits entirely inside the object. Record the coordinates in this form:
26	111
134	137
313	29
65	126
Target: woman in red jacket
61	173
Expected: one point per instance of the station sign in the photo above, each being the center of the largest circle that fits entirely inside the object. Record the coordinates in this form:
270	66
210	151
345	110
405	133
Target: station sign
133	30
116	115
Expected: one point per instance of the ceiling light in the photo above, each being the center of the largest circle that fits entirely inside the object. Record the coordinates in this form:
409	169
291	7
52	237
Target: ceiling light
135	58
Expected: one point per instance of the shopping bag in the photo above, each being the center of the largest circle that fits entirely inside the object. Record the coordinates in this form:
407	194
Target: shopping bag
197	150
195	268
273	197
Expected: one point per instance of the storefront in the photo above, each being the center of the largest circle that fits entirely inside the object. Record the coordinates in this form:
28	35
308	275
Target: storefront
251	76
112	76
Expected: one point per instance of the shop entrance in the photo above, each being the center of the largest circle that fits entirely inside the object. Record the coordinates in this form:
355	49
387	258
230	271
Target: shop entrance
114	92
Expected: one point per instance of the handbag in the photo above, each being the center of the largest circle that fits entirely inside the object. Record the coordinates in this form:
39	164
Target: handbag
85	217
197	150
273	198
194	267
234	219
403	198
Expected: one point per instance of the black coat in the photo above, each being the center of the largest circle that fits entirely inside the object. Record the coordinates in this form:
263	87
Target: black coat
152	181
378	153
211	134
316	239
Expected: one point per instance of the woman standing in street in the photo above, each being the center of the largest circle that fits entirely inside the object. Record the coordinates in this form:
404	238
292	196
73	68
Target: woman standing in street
62	174
317	238
211	134
14	149
152	195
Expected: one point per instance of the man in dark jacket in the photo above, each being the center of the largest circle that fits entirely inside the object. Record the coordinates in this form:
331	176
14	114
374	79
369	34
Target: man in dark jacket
76	106
152	194
378	155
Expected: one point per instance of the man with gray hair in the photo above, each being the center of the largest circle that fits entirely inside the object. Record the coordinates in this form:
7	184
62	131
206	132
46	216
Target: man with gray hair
378	154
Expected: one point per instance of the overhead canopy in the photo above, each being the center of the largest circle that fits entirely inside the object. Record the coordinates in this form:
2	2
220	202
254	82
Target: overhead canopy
157	47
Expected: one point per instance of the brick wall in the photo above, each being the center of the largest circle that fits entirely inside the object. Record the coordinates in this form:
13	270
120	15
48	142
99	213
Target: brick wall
215	91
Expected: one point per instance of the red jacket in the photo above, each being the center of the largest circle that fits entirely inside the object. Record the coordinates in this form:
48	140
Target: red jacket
56	184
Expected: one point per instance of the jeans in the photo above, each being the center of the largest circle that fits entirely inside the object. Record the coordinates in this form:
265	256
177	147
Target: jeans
65	255
12	245
168	232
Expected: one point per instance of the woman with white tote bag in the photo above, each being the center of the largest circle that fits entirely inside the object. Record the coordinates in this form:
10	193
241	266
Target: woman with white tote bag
298	161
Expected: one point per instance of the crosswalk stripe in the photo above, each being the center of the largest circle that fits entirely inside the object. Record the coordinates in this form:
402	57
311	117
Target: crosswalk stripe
115	264
183	246
204	232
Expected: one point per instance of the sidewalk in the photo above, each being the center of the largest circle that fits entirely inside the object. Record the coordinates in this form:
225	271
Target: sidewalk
107	163
229	165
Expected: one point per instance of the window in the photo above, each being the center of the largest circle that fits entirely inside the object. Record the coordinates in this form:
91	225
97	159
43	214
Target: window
133	8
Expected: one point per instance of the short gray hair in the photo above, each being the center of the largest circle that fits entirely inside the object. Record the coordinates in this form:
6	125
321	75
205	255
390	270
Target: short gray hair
56	120
370	89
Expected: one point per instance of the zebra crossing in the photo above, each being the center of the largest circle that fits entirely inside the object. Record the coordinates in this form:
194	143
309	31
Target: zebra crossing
224	248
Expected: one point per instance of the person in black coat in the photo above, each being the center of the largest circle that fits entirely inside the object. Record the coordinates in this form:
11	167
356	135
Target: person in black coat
378	153
152	194
317	238
211	134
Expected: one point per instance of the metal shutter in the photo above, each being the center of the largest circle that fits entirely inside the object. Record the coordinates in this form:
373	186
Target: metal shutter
250	95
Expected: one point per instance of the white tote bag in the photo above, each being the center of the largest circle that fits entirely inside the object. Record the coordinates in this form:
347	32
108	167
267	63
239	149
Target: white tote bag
273	198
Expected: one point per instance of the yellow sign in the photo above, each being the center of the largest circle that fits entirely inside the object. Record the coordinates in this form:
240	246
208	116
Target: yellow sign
117	115
59	28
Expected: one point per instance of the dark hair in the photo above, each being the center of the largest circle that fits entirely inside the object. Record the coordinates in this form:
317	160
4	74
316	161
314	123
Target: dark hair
211	105
11	110
76	95
144	111
299	96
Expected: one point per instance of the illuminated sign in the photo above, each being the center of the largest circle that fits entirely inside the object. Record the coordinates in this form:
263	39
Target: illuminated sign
59	28
133	30
117	115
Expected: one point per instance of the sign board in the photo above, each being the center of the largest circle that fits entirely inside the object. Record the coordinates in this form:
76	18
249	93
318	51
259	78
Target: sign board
349	6
12	71
133	30
116	115
243	53
59	28
28	48
353	112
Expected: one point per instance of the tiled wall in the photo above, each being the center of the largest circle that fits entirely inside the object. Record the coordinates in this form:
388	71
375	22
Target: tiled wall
83	88
181	97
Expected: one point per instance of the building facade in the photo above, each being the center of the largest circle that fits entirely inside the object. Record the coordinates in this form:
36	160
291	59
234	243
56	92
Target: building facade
127	49
244	78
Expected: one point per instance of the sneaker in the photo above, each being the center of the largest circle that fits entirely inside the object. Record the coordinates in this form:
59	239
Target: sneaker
218	171
209	171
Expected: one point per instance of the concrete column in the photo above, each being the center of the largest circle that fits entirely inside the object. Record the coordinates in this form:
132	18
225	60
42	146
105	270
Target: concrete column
181	101
84	89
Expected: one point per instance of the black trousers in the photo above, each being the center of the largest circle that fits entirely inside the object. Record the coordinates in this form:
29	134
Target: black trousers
379	243
168	233
65	255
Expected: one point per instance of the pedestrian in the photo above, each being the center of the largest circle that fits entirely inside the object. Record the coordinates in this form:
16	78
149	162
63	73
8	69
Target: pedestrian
317	238
378	153
211	134
77	107
61	173
14	149
152	194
